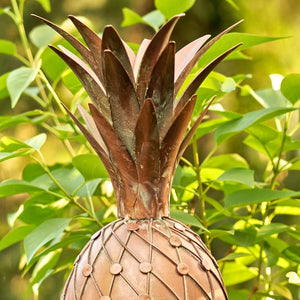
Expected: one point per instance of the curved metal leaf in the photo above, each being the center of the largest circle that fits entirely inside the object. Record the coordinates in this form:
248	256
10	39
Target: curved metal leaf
96	145
94	43
191	132
122	97
147	143
118	152
196	82
182	76
151	55
88	79
82	49
112	41
161	88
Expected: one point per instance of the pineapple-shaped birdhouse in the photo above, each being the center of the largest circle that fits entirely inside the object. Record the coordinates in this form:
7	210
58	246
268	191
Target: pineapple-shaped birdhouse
138	126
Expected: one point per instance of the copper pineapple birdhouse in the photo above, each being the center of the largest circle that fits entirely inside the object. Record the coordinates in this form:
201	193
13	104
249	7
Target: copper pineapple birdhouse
138	127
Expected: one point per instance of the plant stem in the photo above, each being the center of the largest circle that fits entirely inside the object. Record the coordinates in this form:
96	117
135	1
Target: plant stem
200	188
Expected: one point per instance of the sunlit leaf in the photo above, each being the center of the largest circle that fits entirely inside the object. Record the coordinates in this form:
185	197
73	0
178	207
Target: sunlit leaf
253	196
17	81
293	253
45	4
47	231
170	8
186	218
88	189
229	40
7	47
270	229
41	35
36	142
234	273
90	166
242	175
155	19
15	235
231	127
290	87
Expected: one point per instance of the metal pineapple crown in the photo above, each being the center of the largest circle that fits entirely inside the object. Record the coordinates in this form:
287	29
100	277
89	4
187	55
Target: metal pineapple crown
138	124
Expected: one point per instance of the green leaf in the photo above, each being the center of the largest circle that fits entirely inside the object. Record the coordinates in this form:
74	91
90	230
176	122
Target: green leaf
241	175
15	186
233	126
8	155
270	229
231	39
253	196
10	144
9	121
3	88
131	17
41	35
170	8
293	253
90	166
71	81
228	85
226	162
44	233
45	4
15	235
36	142
88	189
290	87
7	47
154	18
17	81
234	273
186	218
69	179
245	237
270	98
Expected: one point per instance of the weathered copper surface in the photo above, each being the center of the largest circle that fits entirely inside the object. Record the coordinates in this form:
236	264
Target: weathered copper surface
138	126
145	259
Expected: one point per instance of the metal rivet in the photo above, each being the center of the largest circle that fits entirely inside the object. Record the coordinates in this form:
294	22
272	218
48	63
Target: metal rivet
145	267
179	226
175	241
132	226
182	269
144	297
115	269
87	270
206	264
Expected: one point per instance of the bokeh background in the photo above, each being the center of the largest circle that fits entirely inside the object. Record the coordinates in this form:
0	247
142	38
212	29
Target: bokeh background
279	18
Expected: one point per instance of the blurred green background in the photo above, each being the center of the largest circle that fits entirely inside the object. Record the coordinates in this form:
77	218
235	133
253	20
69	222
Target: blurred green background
279	18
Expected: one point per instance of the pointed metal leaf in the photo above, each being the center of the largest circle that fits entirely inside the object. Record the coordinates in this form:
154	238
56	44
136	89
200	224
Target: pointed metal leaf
93	128
94	43
88	79
184	57
122	98
197	81
161	88
182	76
191	132
118	152
151	55
173	139
96	145
143	46
147	143
82	49
112	41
